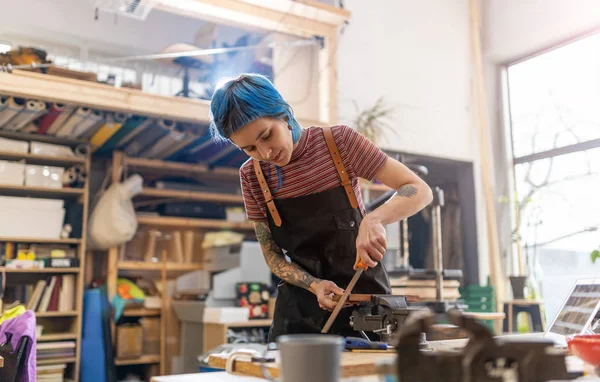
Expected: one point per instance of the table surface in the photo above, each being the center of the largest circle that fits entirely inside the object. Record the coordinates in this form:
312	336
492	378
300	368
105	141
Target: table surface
222	376
206	377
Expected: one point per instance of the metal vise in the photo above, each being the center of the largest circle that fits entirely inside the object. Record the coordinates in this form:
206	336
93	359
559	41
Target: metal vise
383	315
483	359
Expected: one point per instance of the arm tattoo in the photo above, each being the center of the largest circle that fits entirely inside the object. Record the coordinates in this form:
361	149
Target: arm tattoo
275	259
407	190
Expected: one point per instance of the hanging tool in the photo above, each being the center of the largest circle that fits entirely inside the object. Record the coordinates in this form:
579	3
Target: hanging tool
361	267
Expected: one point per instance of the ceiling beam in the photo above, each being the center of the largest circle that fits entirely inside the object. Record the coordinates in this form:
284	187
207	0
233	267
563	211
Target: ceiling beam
300	18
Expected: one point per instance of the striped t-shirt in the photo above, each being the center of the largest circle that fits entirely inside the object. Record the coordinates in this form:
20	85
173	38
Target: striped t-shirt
311	169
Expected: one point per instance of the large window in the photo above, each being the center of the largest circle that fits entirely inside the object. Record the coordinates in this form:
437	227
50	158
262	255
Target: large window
555	126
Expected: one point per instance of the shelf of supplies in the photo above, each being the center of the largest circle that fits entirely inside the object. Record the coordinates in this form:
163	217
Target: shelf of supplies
41	270
142	312
56	314
148	266
39	241
158	166
143	360
55	361
40	191
57	337
177	222
191	195
47	160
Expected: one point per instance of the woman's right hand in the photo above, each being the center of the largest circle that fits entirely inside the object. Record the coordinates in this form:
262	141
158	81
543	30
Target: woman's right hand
325	290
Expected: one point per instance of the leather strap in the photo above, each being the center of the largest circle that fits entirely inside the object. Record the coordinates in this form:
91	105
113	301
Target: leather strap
339	165
267	193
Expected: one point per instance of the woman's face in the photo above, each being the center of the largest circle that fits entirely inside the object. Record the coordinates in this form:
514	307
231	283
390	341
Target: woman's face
266	139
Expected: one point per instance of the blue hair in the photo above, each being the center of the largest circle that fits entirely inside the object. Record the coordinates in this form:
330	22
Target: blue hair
245	98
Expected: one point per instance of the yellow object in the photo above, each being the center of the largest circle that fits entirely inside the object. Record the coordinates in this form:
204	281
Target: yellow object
221	238
58	254
26	255
12	313
104	133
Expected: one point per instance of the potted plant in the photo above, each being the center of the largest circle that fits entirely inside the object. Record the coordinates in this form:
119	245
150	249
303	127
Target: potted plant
373	120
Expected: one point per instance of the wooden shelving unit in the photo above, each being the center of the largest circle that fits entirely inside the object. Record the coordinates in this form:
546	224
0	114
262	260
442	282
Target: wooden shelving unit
177	222
58	326
166	268
41	270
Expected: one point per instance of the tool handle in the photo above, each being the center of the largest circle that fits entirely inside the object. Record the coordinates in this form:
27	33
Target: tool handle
361	343
361	265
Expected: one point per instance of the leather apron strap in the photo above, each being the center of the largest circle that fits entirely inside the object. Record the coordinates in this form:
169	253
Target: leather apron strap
339	166
268	196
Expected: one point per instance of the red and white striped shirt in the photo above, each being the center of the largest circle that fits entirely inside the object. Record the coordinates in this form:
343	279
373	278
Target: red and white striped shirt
311	169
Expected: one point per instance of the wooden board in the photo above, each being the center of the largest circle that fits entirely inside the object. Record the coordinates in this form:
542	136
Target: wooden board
403	282
353	364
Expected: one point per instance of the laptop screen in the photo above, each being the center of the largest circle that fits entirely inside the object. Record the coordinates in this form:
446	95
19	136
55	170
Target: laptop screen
578	310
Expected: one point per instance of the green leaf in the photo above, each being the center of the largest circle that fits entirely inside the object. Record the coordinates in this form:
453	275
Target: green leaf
595	255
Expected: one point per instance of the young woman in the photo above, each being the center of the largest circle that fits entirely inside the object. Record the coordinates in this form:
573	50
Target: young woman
301	189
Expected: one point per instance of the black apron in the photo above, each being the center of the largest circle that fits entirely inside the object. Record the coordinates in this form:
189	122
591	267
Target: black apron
318	232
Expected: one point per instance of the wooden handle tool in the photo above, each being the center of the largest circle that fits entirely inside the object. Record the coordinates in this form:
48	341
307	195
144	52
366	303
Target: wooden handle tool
360	268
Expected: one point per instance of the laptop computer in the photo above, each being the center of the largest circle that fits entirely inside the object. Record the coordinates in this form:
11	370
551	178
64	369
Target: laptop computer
578	313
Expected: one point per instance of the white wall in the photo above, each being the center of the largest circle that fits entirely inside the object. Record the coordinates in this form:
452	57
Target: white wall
416	55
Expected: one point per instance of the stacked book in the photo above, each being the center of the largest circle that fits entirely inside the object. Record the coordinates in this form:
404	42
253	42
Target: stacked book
54	350
54	294
50	373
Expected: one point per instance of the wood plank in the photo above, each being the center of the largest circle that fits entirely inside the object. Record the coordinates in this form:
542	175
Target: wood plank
249	323
57	337
41	192
191	195
352	364
55	361
171	167
41	159
26	84
39	240
149	266
497	277
142	312
403	282
177	222
320	12
42	270
249	16
143	360
56	314
32	136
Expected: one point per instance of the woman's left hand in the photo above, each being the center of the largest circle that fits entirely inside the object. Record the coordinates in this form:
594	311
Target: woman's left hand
371	242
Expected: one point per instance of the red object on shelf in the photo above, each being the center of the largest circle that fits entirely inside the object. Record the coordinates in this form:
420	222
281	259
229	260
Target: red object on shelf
586	347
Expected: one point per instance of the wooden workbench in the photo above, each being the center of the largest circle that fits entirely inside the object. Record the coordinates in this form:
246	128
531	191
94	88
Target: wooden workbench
352	364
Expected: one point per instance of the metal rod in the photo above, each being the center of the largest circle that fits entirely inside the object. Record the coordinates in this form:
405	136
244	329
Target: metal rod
438	259
191	53
405	244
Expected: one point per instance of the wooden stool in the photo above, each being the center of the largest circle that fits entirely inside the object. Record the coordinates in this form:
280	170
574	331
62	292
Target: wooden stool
531	307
